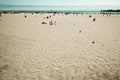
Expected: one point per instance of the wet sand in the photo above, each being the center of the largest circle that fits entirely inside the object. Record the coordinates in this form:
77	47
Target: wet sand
60	47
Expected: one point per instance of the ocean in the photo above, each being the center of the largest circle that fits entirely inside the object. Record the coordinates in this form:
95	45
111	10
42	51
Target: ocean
59	9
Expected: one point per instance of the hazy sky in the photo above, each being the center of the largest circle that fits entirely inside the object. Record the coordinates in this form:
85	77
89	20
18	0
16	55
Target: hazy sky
60	2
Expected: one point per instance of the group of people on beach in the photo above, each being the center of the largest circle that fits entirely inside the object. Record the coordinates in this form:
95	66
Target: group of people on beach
90	16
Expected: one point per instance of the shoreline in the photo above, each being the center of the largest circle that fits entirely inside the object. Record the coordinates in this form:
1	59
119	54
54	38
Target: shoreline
63	11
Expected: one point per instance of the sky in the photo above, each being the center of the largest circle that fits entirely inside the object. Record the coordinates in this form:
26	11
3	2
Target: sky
61	2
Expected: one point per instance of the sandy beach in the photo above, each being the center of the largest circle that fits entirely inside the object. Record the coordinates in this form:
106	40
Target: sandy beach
49	46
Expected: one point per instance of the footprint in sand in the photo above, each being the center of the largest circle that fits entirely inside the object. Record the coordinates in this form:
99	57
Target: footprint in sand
51	23
4	67
80	31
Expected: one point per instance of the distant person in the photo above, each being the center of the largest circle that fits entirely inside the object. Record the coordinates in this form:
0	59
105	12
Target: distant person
94	19
90	16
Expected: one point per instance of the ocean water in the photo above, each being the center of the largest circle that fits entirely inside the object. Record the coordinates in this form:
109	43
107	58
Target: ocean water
63	9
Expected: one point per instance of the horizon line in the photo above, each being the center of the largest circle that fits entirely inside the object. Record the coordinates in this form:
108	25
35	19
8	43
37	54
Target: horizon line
57	5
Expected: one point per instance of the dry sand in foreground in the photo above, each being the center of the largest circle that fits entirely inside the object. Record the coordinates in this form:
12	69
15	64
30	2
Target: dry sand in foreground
62	47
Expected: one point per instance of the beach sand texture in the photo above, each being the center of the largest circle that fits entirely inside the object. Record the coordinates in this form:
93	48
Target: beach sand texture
63	47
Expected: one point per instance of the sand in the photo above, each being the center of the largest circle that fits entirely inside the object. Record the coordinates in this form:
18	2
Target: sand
66	47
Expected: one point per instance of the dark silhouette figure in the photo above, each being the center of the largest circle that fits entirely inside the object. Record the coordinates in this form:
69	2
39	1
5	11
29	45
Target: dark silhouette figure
47	17
25	16
94	19
90	16
93	42
43	23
